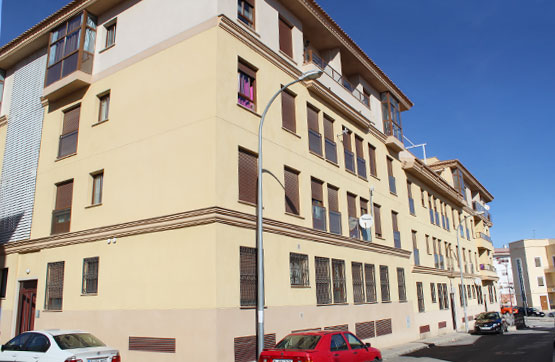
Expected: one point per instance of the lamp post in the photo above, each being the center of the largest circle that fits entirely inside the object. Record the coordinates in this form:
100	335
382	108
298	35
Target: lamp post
463	293
311	75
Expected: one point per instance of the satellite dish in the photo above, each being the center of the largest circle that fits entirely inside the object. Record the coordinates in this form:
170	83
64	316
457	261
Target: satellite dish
486	207
366	221
477	281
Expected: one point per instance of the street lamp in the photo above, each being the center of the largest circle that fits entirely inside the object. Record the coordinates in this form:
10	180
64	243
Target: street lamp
311	75
462	291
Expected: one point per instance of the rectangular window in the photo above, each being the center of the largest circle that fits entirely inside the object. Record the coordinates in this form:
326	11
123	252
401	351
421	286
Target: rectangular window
384	283
104	108
440	295
248	176
420	296
314	136
70	130
415	249
377	221
370	283
352	213
348	150
339	288
90	275
298	270
98	180
246	95
361	162
372	157
540	282
288	119
291	178
285	37
538	261
334	214
323	283
245	12
396	232
392	185
3	282
423	197
329	140
433	291
247	277
358	283
54	285
318	209
391	114
459	182
110	33
428	249
411	200
61	215
401	284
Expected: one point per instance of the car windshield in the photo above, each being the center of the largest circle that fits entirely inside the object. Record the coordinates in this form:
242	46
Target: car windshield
483	316
298	341
77	340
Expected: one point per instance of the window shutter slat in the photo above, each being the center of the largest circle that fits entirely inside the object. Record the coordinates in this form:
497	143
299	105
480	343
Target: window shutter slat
328	128
358	145
285	38
247	70
248	168
351	205
64	194
288	111
71	120
333	198
312	117
291	180
317	193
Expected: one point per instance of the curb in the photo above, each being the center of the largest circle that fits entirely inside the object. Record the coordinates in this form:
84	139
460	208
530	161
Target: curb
417	345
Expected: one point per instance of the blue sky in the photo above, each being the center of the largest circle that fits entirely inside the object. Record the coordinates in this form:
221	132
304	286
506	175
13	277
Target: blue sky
481	75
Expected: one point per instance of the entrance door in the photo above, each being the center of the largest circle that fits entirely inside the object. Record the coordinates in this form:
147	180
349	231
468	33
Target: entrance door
543	301
27	305
452	297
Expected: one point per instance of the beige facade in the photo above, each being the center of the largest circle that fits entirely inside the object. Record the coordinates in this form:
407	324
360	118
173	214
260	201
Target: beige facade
170	225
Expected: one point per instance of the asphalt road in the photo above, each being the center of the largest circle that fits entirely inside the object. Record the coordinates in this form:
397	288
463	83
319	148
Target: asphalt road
530	345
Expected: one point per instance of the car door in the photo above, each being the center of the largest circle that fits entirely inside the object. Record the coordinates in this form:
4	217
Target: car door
358	349
35	349
339	349
12	349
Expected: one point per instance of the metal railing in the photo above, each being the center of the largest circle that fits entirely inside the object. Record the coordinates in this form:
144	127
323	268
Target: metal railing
335	222
315	142
331	150
350	161
480	208
484	236
487	267
361	167
392	129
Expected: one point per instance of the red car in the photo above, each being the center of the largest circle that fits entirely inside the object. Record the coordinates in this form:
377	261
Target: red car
325	346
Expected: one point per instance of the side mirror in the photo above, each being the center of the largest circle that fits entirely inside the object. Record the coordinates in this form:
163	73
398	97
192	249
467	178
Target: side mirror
368	345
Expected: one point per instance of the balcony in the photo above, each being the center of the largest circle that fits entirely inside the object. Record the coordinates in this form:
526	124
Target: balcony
335	222
477	206
397	239
319	217
487	271
484	241
487	267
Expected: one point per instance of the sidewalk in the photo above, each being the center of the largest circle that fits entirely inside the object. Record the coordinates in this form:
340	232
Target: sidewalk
422	343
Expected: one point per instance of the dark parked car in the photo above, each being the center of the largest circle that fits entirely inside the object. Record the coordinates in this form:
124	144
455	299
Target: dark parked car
535	313
490	322
324	346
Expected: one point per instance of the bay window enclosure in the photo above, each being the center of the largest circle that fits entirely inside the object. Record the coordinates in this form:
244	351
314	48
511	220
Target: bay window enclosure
71	47
391	113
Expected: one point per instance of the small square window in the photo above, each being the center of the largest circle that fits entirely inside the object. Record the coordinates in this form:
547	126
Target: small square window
110	34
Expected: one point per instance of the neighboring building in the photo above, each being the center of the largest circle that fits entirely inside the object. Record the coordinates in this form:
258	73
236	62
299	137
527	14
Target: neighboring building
503	266
533	263
133	152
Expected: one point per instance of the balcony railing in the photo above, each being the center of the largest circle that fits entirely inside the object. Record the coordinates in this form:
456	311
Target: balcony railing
319	217
310	56
350	161
480	208
392	129
365	233
416	254
397	239
411	206
361	167
331	150
392	185
335	222
484	236
487	267
315	142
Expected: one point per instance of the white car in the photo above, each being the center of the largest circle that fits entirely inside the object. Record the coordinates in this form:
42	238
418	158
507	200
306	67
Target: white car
57	345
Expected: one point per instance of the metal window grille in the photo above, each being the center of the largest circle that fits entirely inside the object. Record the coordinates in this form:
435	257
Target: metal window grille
339	288
323	293
90	275
365	330
440	295
370	282
358	284
298	269
420	295
244	348
384	283
248	276
401	284
54	285
445	297
433	291
383	327
248	166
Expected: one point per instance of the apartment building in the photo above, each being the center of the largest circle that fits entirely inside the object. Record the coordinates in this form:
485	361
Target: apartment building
503	266
140	185
533	262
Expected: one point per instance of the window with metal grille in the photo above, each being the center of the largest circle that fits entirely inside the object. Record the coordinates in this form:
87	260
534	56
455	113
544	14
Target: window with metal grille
298	269
370	283
62	210
104	107
384	283
440	295
291	178
246	95
288	118
358	283
98	181
248	171
377	221
433	291
339	287
3	282
445	297
323	284
285	37
54	285
247	258
70	131
314	136
401	284
245	12
90	275
420	295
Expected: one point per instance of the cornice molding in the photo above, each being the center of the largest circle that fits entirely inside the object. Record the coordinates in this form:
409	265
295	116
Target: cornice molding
192	218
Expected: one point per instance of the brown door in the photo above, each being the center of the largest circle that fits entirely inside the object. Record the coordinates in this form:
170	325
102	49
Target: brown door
27	304
543	301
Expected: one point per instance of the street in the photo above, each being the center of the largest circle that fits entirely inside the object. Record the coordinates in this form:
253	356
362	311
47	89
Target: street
534	344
